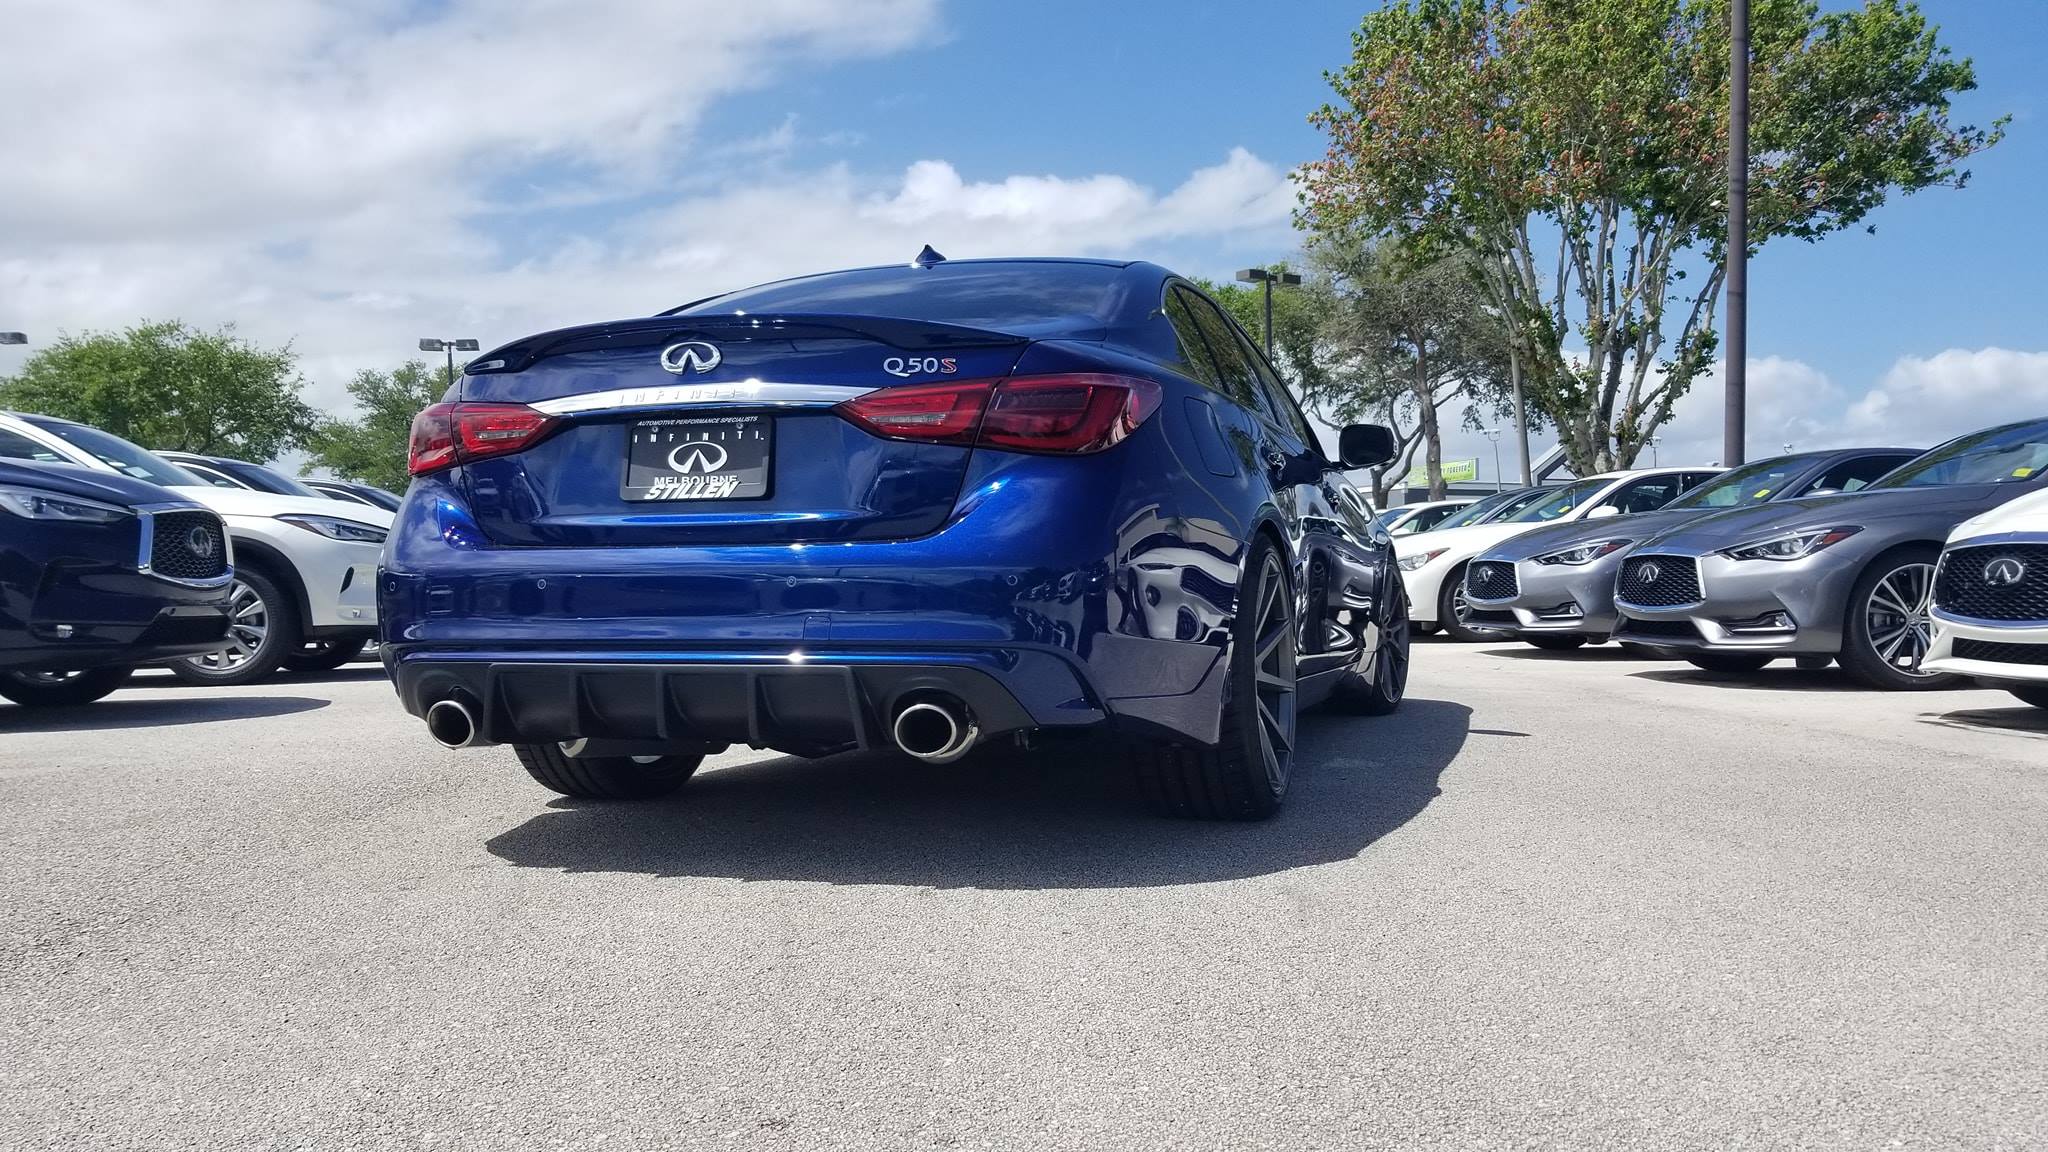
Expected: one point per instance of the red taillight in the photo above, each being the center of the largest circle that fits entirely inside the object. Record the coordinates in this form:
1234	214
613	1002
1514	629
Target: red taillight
1071	413
449	434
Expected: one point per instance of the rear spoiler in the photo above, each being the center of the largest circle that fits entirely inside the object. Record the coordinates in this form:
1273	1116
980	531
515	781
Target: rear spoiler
656	331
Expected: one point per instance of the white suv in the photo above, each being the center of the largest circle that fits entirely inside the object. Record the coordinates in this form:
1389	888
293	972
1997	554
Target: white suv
1991	600
304	594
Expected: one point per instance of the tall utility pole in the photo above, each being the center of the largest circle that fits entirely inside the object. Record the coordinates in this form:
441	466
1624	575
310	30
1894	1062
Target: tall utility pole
1261	276
1734	416
451	347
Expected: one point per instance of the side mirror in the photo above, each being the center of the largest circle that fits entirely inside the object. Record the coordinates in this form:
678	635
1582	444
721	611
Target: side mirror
1364	445
1602	512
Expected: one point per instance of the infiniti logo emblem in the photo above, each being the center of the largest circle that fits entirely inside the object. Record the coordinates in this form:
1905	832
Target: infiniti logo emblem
697	456
690	356
1648	574
200	543
2004	572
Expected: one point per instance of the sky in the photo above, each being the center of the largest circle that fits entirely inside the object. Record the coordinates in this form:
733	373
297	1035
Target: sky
352	175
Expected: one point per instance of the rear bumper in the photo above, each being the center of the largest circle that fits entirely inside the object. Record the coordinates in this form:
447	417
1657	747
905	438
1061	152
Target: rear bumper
807	703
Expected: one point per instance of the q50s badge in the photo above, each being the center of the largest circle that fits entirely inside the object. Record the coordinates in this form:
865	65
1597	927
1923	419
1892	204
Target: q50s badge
920	365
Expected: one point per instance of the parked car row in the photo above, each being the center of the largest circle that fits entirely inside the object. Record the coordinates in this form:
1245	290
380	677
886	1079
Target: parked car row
300	592
1820	556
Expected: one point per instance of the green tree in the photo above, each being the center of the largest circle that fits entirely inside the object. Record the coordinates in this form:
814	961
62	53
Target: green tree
168	386
1597	130
371	447
1402	339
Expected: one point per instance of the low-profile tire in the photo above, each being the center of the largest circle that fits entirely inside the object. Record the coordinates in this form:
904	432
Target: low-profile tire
2035	694
1561	643
606	777
1891	621
1245	776
323	655
1449	599
61	689
1380	688
1727	663
263	629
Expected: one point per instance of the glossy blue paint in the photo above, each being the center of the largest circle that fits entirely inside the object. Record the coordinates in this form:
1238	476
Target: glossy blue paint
1090	589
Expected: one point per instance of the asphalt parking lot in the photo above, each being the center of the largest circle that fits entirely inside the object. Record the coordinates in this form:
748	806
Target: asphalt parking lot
1557	901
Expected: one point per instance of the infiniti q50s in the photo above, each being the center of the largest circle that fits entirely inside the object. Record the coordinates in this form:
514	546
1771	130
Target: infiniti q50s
913	507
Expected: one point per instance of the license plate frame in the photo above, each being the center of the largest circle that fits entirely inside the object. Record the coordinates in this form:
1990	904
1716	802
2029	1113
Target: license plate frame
698	458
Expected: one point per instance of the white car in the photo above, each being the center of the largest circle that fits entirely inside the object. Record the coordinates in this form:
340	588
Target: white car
1991	600
1409	519
1433	563
305	588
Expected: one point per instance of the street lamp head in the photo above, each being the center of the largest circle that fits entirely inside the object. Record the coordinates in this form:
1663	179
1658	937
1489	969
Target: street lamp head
467	346
1287	279
1253	276
429	344
13	338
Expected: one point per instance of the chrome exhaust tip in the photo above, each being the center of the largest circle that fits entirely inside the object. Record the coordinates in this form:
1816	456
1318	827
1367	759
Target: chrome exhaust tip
451	724
934	731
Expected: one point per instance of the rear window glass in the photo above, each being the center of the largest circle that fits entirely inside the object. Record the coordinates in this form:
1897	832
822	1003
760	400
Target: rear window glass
999	296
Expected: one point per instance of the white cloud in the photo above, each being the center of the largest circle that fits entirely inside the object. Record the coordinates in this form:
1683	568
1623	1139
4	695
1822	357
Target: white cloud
351	177
1918	403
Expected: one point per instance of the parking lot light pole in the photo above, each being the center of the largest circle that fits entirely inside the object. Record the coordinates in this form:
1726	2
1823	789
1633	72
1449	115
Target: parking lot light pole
1735	401
451	347
1262	276
1493	435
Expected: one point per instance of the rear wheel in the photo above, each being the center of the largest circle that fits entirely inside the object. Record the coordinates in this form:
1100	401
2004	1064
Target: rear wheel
1556	643
605	777
1245	776
263	628
1727	663
57	689
1380	688
1891	623
2035	694
323	655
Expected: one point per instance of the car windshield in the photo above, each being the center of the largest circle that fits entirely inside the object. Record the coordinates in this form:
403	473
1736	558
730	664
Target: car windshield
118	454
1481	510
995	295
1560	502
1751	484
1390	515
2014	454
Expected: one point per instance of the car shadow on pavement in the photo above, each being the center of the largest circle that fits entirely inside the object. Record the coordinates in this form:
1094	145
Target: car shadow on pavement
1064	816
2023	720
118	713
1607	653
1775	678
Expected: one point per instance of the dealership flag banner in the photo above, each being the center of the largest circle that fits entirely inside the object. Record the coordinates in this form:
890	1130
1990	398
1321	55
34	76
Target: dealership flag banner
1455	472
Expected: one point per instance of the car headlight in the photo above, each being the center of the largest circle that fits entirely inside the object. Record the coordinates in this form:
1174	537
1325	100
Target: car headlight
1583	553
1791	545
335	528
36	504
1416	560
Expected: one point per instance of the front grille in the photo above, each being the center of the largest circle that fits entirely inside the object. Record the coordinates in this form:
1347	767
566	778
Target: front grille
1963	586
188	546
1674	629
1998	653
1490	580
1658	581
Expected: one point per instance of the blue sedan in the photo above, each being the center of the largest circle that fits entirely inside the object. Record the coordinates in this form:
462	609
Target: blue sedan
916	507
